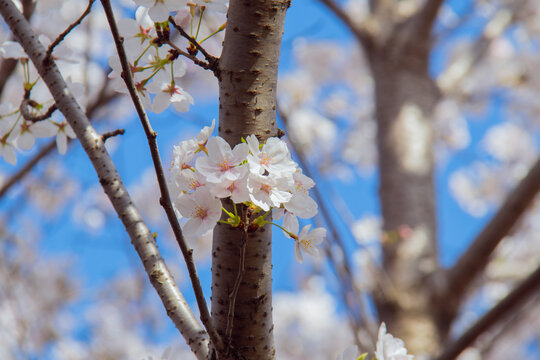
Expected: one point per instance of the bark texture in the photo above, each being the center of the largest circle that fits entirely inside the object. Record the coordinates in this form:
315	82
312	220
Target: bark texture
247	81
138	231
405	96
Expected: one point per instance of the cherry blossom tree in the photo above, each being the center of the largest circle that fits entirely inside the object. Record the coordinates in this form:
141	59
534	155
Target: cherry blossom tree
381	100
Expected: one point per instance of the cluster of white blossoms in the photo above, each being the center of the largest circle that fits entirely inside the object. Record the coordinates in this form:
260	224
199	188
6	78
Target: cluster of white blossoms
262	176
388	347
154	56
20	126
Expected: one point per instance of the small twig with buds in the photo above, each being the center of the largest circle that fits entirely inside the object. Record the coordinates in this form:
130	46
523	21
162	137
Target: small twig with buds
111	134
62	35
212	60
27	102
196	61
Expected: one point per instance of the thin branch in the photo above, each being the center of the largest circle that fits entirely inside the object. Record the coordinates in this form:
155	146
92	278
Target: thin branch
165	199
111	134
507	305
139	233
361	34
460	277
63	35
212	60
27	102
193	58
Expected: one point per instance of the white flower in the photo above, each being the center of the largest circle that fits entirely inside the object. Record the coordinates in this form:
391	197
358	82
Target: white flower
215	5
203	211
27	131
167	93
274	157
301	204
12	50
350	353
202	137
268	191
160	9
389	347
308	240
7	150
236	189
222	163
64	131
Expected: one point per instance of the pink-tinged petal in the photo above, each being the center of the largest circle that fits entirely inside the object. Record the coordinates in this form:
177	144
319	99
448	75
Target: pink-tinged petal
161	102
12	49
302	205
146	3
297	252
26	140
304	231
240	152
61	142
290	223
8	153
185	205
159	12
183	106
44	129
69	131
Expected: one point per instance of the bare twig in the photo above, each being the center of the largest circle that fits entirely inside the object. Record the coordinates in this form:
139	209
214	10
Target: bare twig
63	35
361	34
111	134
193	58
165	199
139	233
510	303
212	60
30	103
460	277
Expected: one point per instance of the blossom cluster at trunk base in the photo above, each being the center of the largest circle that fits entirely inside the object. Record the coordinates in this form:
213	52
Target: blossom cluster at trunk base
261	176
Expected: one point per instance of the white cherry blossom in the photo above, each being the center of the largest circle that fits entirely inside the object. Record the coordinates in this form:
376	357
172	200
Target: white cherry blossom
12	50
64	131
389	347
215	5
222	163
306	240
268	191
203	210
169	93
236	189
274	157
27	132
8	150
160	9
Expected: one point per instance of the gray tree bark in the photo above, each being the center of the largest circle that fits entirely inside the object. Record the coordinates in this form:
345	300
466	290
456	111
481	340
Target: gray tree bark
247	90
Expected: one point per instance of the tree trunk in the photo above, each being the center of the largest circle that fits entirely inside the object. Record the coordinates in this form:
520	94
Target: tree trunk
405	96
247	82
